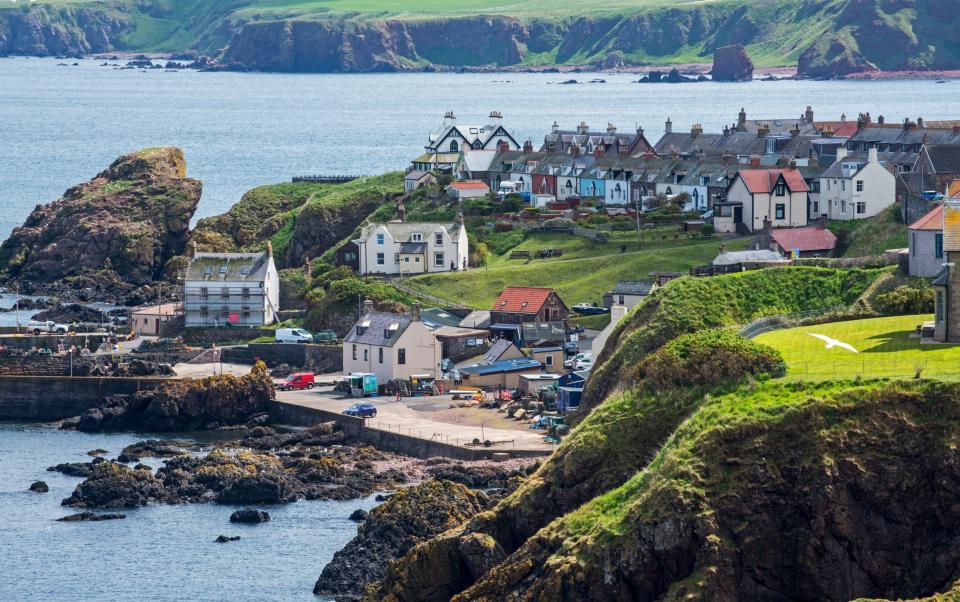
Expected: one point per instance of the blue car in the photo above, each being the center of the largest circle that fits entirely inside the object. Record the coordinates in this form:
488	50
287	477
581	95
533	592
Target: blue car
362	410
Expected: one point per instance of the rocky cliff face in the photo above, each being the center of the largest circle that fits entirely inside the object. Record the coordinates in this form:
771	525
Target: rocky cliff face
51	30
112	234
732	64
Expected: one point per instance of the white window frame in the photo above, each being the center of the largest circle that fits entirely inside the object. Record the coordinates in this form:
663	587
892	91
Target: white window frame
416	237
381	259
438	259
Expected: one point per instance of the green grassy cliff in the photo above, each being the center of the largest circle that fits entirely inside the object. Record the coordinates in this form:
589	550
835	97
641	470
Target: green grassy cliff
824	37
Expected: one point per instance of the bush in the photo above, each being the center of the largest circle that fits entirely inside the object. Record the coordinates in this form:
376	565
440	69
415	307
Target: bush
906	300
709	357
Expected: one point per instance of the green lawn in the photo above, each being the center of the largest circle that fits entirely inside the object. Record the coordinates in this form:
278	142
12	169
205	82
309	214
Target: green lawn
583	275
886	347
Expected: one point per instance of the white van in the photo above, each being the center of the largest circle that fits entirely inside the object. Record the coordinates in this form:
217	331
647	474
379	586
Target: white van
293	335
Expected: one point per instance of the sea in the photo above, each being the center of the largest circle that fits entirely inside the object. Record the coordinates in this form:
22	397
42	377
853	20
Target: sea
61	123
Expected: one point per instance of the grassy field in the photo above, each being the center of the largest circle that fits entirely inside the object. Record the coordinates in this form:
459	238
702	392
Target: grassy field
583	274
886	348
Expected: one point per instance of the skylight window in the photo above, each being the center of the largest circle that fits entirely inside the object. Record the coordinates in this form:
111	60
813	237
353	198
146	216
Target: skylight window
208	270
245	270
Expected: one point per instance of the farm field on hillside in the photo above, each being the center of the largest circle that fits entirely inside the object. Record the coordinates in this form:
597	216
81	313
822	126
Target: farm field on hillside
885	347
583	279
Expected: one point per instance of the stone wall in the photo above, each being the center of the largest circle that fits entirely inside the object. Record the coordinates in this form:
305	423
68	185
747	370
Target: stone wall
48	398
204	337
50	341
318	358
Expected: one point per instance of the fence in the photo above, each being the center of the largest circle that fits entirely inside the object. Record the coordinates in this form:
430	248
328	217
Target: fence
879	368
324	179
762	325
439	301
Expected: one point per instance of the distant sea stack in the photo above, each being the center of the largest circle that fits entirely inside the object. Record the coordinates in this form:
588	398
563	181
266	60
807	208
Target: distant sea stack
109	235
732	64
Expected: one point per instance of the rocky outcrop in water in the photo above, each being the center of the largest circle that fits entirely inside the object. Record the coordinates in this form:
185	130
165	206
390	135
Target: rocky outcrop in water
39	487
110	235
248	516
90	517
185	405
390	530
732	64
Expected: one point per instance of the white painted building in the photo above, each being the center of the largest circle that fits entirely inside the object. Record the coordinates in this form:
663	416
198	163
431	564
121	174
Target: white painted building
757	195
855	187
413	247
235	289
391	346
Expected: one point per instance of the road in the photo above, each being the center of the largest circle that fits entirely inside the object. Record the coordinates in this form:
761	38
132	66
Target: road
429	418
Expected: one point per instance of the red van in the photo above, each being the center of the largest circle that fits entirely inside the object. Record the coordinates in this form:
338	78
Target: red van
296	381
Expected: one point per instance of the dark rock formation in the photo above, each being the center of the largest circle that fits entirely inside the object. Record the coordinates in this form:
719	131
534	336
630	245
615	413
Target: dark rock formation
112	485
226	538
320	435
249	515
90	516
73	469
154	448
72	312
39	487
359	515
185	405
672	77
390	530
53	30
110	235
732	64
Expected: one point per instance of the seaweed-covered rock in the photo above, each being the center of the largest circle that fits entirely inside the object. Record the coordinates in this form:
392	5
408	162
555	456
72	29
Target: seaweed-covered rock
112	485
39	487
249	516
226	538
90	517
390	530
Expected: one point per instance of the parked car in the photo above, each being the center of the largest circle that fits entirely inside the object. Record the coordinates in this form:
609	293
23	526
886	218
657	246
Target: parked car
49	326
585	309
586	355
586	364
296	382
571	348
362	410
293	335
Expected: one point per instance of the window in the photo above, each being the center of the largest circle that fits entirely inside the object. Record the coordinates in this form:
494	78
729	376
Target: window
204	292
246	292
622	300
780	211
417	259
396	258
416	237
224	293
438	260
379	238
548	361
401	356
815	186
366	354
913	245
939	306
354	352
781	189
380	259
380	354
843	206
828	185
204	311
438	239
861	207
816	207
246	312
843	184
859	185
938	245
454	147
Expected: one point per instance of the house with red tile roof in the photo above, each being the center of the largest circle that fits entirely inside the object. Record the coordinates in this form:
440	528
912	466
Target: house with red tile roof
519	305
925	240
757	196
804	242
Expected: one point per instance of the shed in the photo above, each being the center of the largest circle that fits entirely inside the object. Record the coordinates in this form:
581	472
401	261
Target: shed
459	343
504	374
568	398
531	383
550	356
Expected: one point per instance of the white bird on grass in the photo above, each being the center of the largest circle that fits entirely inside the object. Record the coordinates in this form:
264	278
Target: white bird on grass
831	343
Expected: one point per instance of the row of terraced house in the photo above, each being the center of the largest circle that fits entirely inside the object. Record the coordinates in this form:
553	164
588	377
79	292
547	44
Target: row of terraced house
785	171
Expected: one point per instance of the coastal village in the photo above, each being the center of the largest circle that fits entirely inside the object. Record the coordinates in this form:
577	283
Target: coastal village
462	324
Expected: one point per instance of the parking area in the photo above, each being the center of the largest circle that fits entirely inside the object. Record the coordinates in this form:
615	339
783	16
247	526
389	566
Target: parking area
429	418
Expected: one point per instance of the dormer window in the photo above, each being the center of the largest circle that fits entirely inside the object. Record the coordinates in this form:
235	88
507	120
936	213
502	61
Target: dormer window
380	238
416	237
780	189
438	238
224	269
245	270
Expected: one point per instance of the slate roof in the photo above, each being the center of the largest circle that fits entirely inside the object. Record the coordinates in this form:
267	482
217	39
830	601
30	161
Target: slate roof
761	181
805	239
478	318
402	231
457	332
944	157
521	299
751	256
510	365
373	327
416	175
435	316
497	350
633	287
933	220
413	248
228	267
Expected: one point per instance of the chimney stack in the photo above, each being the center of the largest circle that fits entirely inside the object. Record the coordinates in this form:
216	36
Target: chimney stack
696	130
808	114
841	153
919	122
795	130
793	163
611	129
269	249
763	130
583	128
668	126
402	211
742	120
415	312
448	119
504	146
555	127
367	306
496	117
880	119
872	155
754	161
598	151
193	248
527	146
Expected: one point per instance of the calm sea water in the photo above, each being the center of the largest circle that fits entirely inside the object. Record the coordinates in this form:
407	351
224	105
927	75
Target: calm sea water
61	125
157	552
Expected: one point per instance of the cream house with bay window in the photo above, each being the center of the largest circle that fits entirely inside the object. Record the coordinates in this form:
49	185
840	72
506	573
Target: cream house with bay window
413	247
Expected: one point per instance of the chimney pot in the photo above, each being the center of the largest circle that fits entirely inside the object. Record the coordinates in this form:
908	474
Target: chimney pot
367	306
668	126
415	312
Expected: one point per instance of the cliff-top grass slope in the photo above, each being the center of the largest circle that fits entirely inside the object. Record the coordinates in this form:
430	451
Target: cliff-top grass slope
822	37
113	233
693	476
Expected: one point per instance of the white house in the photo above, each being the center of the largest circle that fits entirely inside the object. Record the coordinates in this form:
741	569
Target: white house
925	241
757	195
391	345
469	189
236	289
417	179
854	187
413	247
